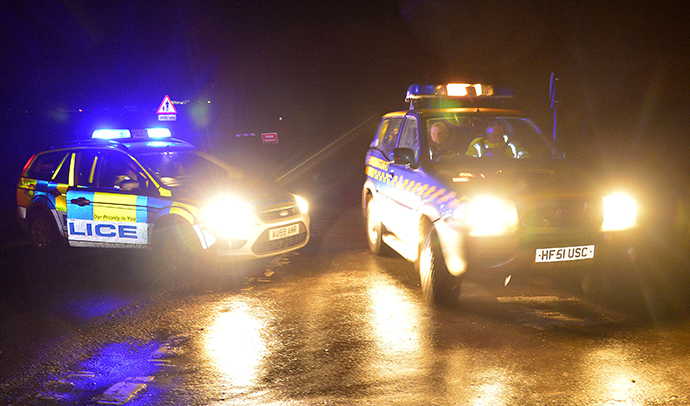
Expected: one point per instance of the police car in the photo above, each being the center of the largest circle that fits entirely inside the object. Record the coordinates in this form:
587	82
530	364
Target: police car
143	188
465	187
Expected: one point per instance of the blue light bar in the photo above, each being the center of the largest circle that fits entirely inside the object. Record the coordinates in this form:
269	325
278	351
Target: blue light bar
419	91
158	132
110	134
451	90
158	144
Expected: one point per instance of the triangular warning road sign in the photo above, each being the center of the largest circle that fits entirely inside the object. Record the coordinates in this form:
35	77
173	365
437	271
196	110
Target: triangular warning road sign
167	106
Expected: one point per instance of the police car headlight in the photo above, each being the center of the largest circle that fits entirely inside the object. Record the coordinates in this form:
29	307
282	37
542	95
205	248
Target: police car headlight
620	212
302	204
229	216
487	216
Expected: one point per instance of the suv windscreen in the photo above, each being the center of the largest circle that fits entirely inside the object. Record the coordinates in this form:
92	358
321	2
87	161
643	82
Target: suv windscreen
187	168
473	138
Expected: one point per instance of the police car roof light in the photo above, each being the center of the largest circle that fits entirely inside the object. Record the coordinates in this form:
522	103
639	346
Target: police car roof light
110	134
466	89
158	144
419	91
158	132
451	90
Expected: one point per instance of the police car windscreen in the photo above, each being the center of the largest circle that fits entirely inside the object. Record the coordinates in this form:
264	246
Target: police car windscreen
185	168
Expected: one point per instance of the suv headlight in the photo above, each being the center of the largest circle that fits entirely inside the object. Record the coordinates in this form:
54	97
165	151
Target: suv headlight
229	216
487	215
620	212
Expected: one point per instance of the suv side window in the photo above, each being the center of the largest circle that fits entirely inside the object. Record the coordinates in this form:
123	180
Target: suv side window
410	137
85	168
64	169
45	165
118	171
387	135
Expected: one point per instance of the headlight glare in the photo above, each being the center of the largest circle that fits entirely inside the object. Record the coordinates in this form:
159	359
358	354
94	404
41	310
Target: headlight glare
302	204
487	216
620	212
229	216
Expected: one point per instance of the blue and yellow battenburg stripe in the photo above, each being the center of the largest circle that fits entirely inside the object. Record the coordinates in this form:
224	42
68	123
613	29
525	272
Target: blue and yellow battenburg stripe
121	218
377	169
110	218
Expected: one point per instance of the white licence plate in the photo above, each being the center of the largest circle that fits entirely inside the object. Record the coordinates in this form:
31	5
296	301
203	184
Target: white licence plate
564	253
282	232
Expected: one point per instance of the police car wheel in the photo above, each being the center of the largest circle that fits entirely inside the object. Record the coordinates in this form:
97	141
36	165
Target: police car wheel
374	230
438	285
44	233
175	244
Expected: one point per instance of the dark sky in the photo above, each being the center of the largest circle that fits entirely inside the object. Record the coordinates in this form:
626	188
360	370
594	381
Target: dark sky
622	64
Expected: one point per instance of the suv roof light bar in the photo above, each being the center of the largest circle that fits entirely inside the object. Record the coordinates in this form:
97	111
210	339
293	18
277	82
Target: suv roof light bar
453	91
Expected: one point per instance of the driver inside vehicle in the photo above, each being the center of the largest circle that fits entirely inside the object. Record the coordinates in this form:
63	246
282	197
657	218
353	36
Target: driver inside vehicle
496	142
439	138
128	180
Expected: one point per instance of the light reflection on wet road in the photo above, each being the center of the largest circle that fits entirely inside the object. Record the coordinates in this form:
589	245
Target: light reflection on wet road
350	328
337	325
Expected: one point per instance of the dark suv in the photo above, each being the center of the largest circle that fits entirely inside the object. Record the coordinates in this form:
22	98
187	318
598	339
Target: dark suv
463	186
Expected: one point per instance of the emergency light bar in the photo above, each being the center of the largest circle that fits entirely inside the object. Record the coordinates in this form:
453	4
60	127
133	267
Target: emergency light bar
450	90
116	134
456	95
158	132
110	134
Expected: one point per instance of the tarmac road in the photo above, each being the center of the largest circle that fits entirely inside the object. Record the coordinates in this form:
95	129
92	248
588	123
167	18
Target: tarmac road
331	324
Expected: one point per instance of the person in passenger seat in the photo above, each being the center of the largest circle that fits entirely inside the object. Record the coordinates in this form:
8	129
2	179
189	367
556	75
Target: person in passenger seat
495	142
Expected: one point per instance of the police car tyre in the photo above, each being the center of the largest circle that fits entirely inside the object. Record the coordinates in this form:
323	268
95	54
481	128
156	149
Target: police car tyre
438	285
45	235
375	230
175	243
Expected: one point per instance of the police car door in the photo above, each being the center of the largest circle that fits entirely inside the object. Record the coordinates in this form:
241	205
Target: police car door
402	199
378	161
107	207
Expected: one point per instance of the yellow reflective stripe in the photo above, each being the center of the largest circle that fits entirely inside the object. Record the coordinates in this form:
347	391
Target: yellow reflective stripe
438	193
447	196
71	169
59	167
61	200
123	207
93	170
27	183
182	210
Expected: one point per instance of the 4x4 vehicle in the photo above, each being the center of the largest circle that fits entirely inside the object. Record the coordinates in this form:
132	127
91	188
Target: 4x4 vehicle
143	188
462	186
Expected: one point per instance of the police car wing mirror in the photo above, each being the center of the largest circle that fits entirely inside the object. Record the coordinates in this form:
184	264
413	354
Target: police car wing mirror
403	156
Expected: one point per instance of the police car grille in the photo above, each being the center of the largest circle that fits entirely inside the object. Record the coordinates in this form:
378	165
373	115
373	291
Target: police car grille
264	246
560	212
278	214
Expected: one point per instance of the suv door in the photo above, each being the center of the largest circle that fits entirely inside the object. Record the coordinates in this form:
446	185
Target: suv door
403	200
109	204
378	160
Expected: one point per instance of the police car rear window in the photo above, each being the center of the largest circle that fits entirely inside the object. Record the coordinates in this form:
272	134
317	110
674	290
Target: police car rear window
44	165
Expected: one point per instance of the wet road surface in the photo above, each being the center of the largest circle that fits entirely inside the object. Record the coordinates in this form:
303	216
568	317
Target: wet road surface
331	324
